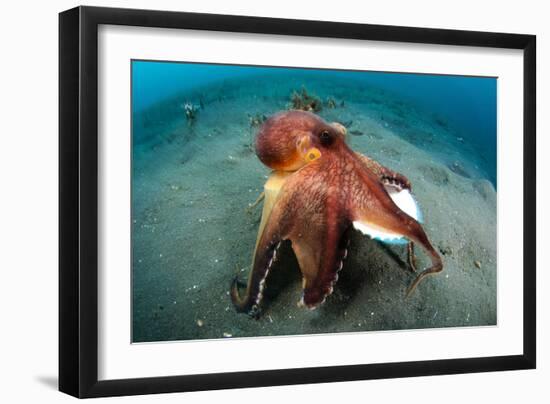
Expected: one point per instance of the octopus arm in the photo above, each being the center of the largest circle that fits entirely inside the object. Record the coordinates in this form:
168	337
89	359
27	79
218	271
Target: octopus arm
320	262
386	176
374	212
273	232
277	223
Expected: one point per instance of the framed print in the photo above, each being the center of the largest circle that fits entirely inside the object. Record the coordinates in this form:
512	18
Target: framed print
251	201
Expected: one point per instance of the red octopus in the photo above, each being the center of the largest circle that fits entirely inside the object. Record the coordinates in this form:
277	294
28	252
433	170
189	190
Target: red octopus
319	189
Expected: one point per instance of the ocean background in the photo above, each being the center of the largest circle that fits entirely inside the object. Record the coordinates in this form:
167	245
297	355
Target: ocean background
193	181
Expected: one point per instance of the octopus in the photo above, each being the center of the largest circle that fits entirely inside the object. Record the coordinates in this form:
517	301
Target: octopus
318	191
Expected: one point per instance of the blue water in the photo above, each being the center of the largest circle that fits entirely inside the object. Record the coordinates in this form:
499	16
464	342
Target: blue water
468	104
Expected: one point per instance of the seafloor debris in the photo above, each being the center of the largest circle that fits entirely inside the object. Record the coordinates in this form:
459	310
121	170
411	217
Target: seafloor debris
191	111
330	102
445	250
256	119
304	101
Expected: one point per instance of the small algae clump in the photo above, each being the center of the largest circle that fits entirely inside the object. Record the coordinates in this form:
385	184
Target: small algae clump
304	101
330	102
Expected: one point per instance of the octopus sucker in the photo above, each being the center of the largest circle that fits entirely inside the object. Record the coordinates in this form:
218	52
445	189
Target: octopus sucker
255	286
318	190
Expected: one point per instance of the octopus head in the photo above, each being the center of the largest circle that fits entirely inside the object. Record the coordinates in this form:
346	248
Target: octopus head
289	140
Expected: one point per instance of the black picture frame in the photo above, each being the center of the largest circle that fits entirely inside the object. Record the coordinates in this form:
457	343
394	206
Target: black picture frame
78	201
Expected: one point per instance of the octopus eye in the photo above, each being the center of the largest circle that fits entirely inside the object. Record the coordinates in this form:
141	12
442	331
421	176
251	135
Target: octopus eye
325	138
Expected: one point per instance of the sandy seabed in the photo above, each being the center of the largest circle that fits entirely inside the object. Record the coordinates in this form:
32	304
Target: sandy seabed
192	231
